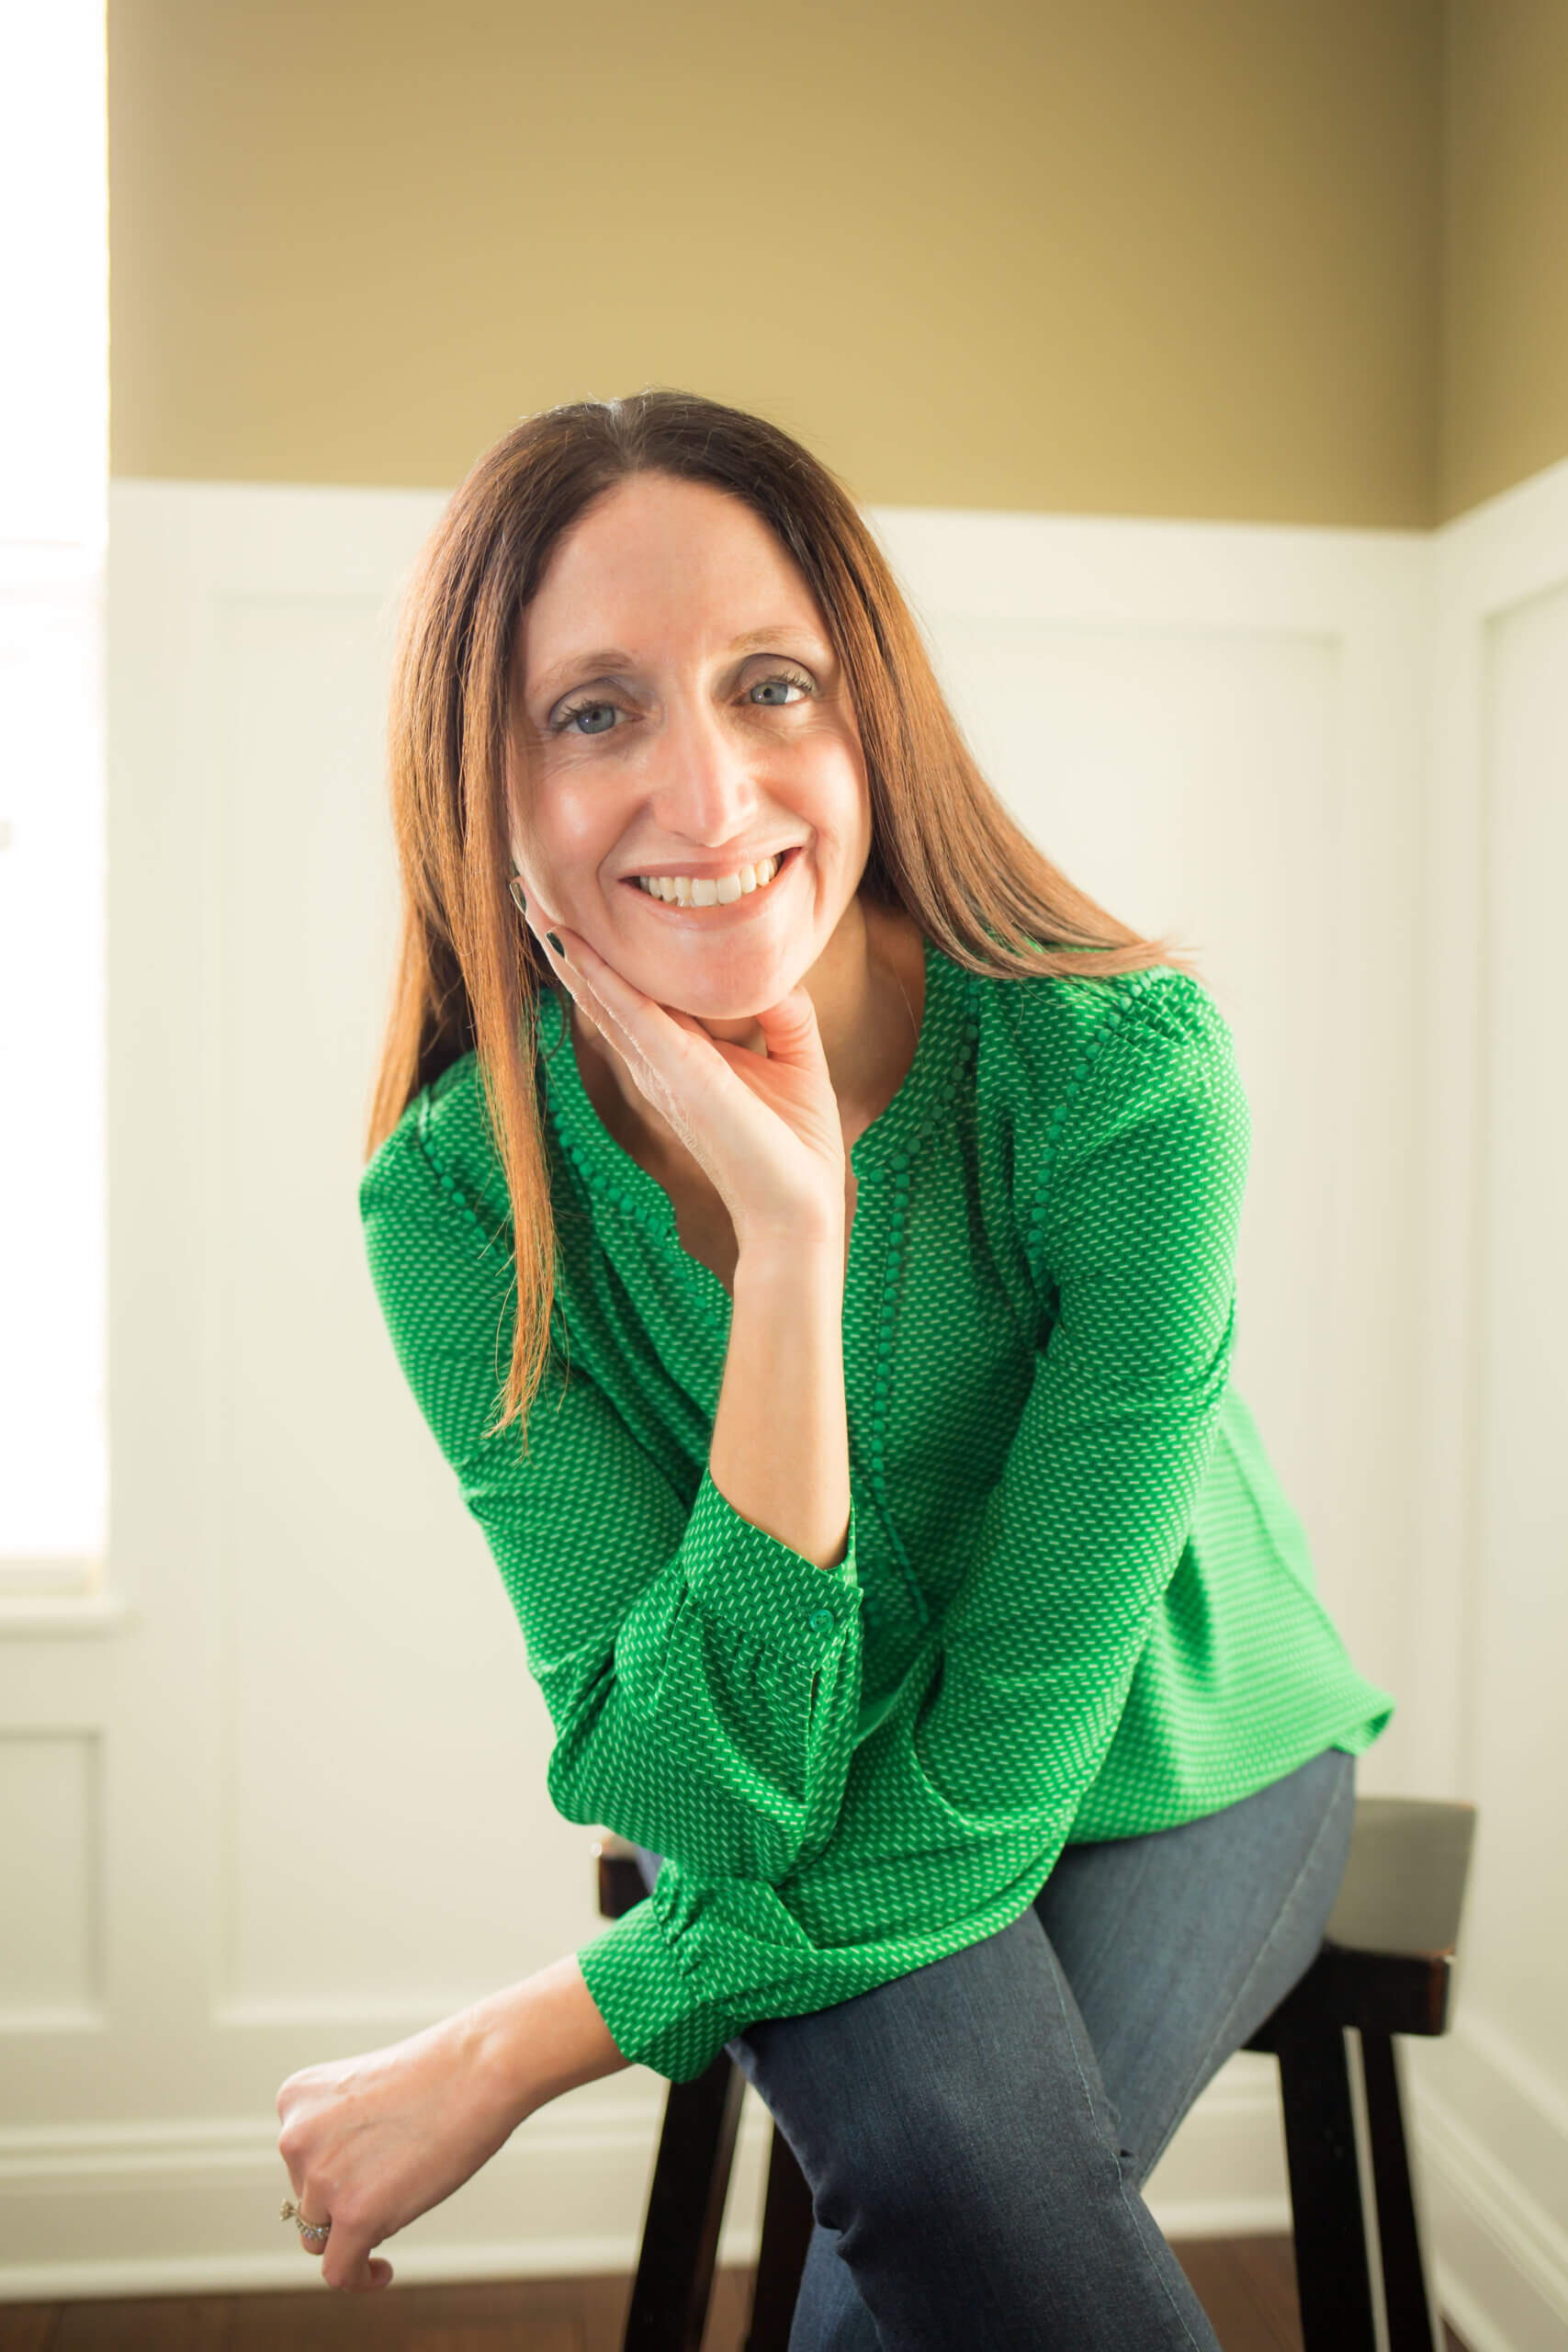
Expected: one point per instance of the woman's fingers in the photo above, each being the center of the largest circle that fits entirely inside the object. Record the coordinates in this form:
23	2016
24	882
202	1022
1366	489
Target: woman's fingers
560	947
765	1129
619	1011
304	2207
637	1027
790	1032
587	1000
345	2256
348	2265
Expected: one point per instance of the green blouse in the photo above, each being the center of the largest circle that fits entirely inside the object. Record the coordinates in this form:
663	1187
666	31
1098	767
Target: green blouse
1075	1603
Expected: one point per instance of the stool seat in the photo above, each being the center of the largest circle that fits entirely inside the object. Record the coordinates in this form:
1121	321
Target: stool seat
1386	1961
1384	1967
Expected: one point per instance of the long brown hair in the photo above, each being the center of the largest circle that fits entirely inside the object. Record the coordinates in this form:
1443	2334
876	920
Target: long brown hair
943	846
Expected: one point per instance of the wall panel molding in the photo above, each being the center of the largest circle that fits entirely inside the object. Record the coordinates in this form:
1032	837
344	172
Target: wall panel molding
1491	1521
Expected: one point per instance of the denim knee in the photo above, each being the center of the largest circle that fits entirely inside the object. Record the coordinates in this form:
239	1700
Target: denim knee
933	2112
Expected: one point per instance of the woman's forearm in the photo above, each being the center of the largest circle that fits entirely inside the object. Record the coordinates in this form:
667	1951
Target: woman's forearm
780	1449
542	2037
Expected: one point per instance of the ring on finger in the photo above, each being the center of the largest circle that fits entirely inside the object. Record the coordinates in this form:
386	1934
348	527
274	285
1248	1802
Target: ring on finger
318	2230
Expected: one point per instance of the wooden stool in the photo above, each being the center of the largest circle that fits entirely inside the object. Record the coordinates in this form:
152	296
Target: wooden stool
1384	1968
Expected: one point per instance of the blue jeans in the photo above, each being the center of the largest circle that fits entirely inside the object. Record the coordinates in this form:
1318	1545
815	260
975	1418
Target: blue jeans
977	2133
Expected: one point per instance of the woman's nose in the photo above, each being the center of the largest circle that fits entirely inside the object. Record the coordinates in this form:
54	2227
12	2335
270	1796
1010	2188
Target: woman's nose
705	770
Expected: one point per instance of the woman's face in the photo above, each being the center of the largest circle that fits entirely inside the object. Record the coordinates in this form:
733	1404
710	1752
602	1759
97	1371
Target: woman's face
680	710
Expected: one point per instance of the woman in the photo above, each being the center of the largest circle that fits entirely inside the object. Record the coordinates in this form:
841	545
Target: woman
899	1566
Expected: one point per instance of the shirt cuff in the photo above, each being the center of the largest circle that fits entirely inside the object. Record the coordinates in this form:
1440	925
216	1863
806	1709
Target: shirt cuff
657	2014
746	1579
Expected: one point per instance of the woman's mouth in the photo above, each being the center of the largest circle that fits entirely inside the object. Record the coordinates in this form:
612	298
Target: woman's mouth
748	890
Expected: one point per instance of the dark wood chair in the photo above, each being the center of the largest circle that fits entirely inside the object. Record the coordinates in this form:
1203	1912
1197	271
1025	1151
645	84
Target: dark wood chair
1384	1968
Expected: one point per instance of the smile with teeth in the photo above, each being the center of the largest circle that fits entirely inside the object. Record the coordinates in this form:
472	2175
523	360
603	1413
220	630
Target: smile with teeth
709	890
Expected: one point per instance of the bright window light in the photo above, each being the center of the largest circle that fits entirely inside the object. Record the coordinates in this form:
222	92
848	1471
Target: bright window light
54	527
55	275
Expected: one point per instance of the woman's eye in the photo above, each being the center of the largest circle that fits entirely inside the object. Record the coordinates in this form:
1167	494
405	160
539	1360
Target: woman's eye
802	683
569	717
584	710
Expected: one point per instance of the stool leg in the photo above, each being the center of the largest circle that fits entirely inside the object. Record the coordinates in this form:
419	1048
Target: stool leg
1403	2272
669	2307
1333	2281
787	2224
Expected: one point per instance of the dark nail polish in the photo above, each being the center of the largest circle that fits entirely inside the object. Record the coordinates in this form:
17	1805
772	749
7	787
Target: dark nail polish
555	942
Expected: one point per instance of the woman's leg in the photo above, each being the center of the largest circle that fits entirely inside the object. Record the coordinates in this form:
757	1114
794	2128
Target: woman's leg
1178	1945
962	2161
975	2167
963	2153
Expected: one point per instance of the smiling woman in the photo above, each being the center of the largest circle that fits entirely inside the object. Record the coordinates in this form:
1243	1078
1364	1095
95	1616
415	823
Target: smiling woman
575	642
889	1530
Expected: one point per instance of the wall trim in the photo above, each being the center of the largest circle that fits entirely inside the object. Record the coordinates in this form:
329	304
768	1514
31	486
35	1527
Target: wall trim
1504	2283
91	2183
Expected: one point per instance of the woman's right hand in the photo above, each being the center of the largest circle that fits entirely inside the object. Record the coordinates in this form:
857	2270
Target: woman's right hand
765	1131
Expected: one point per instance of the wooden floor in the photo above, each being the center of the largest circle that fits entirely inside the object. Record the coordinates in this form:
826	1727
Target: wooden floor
1248	2286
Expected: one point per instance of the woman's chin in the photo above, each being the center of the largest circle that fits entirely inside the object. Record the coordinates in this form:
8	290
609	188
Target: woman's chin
721	1001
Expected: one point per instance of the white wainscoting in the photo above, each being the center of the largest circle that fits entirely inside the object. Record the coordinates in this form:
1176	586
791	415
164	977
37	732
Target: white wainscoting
1491	1631
299	1766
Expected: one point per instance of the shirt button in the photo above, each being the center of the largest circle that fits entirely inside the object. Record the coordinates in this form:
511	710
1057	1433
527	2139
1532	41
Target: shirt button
819	1620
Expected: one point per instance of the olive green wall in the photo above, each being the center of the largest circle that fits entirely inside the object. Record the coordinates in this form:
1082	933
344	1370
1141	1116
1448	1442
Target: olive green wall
1141	256
1504	374
1122	256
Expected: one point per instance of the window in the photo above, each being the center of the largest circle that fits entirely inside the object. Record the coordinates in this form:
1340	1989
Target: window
53	527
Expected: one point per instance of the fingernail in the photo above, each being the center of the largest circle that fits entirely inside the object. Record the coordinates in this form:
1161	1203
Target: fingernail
555	942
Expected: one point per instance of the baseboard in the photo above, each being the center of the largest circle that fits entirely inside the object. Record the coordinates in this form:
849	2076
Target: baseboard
197	2210
1500	2263
1223	2174
194	2209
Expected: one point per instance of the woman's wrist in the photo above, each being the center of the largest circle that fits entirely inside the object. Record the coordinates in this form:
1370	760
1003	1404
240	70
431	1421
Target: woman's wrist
533	2040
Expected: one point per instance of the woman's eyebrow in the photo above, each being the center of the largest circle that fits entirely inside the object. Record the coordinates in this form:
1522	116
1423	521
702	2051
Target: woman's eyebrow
615	657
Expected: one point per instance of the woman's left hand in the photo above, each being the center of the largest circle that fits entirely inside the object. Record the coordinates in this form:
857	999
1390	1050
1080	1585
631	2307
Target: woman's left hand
372	2142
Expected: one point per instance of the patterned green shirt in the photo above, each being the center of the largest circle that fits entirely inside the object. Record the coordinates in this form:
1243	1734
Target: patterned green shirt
1075	1603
